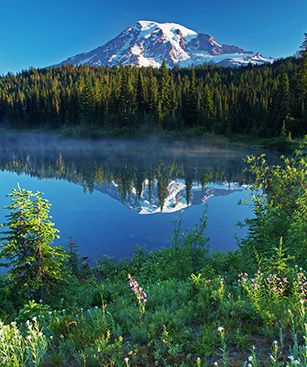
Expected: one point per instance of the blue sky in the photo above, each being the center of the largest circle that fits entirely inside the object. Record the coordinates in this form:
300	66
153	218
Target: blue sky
41	32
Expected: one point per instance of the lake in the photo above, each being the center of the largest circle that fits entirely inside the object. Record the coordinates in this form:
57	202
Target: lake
110	196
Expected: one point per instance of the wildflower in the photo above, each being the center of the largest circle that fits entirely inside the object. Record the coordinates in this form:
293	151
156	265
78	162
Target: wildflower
139	293
275	342
215	364
250	358
34	318
291	358
220	329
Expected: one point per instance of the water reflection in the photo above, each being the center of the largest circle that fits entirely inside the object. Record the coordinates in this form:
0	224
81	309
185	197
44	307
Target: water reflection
143	178
147	179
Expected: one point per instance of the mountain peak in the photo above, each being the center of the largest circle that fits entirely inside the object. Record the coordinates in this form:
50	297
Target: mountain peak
148	43
166	27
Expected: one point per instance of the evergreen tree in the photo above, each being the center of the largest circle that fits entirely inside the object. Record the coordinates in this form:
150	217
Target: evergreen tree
303	80
35	266
208	105
164	97
191	103
304	65
251	100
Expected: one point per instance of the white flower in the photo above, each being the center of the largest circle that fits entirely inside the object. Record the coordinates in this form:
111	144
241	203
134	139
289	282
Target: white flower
250	358
34	318
291	358
275	342
40	334
220	329
249	365
126	360
215	364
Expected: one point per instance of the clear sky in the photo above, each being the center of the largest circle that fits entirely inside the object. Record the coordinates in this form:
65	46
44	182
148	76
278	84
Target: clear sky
44	32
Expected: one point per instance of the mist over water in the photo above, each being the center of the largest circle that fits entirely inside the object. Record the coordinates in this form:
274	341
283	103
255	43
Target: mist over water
112	195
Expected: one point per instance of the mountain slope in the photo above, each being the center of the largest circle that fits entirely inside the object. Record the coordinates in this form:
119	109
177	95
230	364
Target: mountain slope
148	202
148	43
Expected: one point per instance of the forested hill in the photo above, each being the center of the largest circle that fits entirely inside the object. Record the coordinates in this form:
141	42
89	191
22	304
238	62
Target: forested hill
267	100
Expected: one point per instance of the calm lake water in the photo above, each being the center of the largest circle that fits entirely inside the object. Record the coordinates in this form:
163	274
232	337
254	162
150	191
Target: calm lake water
111	196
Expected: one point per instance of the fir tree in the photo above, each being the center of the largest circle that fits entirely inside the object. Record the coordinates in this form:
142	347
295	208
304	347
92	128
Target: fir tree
35	266
164	91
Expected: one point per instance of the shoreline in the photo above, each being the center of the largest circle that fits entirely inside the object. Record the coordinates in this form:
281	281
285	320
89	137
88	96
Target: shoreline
189	137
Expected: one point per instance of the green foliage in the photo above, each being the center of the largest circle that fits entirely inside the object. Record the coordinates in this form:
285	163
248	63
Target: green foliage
267	101
280	206
18	350
35	265
33	309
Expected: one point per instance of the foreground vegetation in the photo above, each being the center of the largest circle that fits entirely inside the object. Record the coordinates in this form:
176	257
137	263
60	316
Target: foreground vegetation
173	307
266	101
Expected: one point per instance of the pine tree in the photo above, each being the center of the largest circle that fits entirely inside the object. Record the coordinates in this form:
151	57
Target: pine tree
35	266
303	80
253	100
304	65
87	104
208	105
164	91
191	103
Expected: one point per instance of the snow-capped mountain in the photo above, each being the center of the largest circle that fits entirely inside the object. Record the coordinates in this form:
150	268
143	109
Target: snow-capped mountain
148	43
148	201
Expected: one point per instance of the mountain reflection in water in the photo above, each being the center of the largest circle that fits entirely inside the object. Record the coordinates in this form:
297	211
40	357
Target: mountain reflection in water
147	178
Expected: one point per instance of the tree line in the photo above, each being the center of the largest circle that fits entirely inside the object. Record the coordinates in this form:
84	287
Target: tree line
267	100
